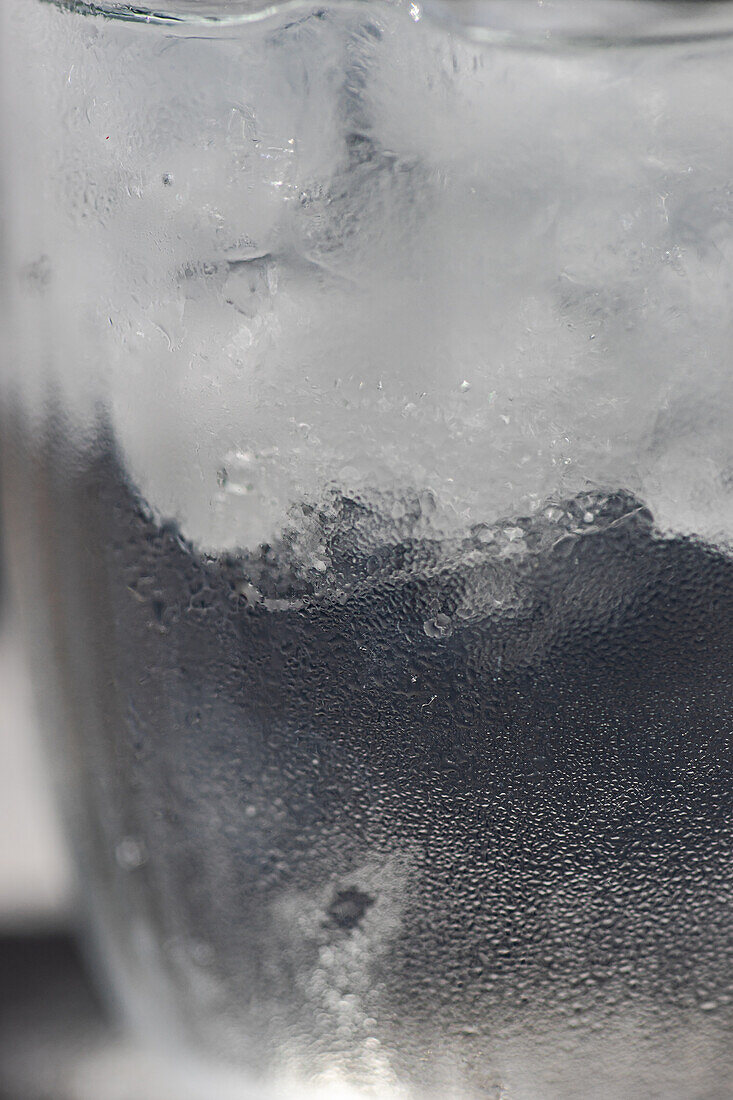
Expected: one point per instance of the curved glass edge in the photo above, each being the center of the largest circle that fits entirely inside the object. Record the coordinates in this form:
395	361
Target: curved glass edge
194	15
527	24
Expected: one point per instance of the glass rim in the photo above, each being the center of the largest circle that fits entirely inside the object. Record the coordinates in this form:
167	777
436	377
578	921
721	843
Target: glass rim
525	24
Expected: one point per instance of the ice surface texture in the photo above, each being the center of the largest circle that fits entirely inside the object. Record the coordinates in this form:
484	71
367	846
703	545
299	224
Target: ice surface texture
350	248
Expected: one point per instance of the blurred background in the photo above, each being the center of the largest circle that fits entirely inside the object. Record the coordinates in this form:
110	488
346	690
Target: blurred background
55	1040
35	889
58	1040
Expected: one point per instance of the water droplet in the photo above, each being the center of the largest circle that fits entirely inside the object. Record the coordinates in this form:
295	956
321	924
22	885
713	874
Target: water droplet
483	533
130	853
439	627
250	285
348	907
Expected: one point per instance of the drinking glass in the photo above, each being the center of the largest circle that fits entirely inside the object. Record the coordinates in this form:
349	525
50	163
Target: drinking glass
368	485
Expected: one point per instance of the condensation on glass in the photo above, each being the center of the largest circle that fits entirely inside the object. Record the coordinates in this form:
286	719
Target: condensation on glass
368	479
